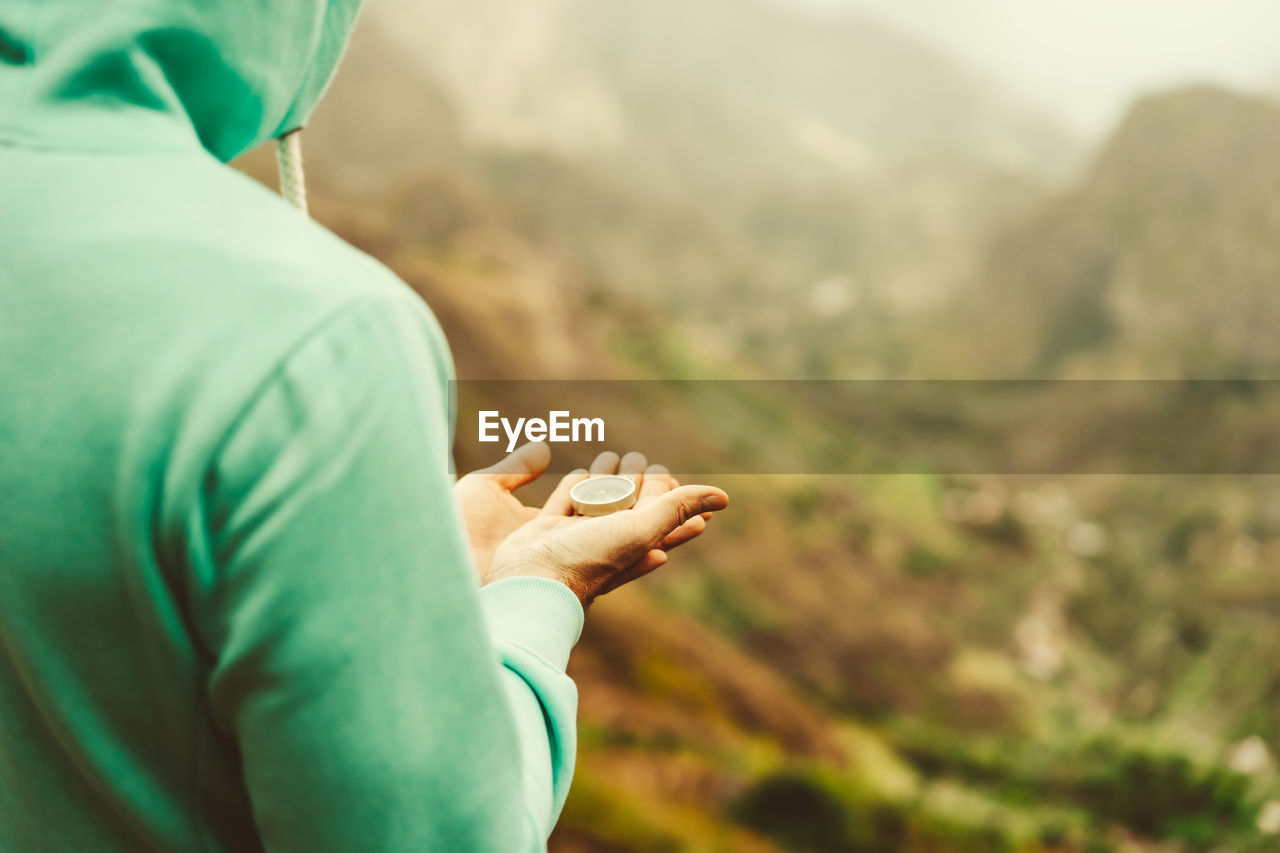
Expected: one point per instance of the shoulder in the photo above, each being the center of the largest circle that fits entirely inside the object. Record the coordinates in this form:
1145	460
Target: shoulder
266	285
289	338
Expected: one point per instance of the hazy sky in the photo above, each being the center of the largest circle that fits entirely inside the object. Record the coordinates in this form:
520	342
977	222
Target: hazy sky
1085	60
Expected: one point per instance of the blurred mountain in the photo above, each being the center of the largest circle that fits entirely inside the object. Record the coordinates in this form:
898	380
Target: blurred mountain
728	94
687	154
1160	262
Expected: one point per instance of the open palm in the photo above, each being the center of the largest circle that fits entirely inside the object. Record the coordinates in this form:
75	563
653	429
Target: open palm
594	555
490	512
590	555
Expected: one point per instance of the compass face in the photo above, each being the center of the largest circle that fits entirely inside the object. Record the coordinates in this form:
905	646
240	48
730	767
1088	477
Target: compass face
603	494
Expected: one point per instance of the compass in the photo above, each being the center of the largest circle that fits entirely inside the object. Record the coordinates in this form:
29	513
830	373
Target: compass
603	494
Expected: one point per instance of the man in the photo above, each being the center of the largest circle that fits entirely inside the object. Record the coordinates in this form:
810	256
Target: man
238	607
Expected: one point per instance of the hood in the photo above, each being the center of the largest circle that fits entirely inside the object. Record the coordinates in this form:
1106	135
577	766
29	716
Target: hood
165	75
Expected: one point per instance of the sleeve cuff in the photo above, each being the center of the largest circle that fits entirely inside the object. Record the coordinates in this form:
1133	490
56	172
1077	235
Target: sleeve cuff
538	614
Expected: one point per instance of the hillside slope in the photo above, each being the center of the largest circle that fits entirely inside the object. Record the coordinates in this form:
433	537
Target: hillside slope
1161	262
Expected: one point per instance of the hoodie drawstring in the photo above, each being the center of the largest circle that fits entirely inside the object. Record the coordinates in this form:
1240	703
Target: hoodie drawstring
289	161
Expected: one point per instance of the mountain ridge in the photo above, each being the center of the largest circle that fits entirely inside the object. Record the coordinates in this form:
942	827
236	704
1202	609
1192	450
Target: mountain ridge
1151	264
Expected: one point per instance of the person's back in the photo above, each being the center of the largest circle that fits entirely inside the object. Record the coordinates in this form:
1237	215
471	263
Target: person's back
239	606
191	608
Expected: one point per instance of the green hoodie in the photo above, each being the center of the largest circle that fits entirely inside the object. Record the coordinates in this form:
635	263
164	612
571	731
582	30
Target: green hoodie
237	609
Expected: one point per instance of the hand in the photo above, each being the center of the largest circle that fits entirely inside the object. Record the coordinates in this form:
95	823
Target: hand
593	556
490	512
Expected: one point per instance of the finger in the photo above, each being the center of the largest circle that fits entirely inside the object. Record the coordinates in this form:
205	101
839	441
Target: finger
606	463
560	503
691	529
650	561
655	521
523	466
657	481
674	484
632	466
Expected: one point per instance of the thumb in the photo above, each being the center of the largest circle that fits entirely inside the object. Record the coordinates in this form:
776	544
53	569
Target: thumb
668	512
523	466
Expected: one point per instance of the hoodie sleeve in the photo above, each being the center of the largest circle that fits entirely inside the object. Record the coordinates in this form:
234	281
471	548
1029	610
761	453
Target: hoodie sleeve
377	698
